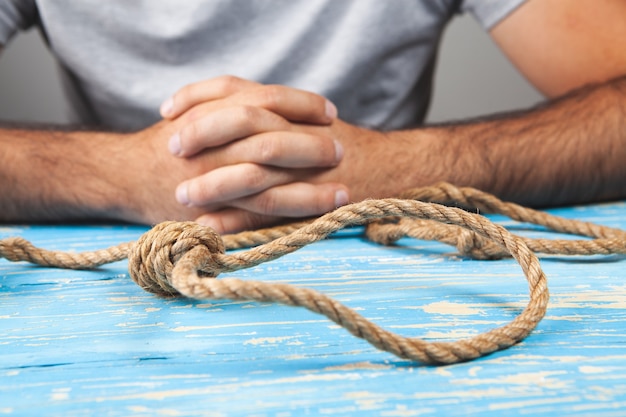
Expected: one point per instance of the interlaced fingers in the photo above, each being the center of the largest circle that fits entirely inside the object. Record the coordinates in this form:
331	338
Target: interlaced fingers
181	258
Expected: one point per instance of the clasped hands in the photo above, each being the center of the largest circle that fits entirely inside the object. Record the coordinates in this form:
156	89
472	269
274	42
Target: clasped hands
234	154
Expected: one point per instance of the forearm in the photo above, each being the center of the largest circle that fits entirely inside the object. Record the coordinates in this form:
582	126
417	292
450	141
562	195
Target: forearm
569	151
56	175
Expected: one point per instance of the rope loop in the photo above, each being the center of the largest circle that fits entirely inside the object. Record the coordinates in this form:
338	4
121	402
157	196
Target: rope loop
176	258
152	259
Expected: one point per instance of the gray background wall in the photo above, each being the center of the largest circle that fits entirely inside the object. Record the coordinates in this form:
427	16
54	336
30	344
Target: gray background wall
473	78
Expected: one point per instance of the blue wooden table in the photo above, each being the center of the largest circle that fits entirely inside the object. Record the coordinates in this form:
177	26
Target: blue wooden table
75	343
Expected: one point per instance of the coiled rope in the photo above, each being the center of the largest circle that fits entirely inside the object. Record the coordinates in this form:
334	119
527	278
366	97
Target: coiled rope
182	258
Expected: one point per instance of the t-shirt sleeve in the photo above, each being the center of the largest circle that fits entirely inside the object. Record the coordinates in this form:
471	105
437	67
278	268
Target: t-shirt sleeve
16	15
490	12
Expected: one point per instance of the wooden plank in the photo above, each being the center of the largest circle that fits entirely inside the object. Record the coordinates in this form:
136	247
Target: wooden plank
93	343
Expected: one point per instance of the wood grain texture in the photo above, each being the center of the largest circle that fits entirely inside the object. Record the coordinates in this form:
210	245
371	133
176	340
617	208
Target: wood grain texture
76	343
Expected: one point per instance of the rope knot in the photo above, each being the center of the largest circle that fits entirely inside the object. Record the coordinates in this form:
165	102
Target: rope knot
475	246
152	259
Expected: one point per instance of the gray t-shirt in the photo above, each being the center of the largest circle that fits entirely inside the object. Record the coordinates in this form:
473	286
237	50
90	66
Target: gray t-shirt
373	58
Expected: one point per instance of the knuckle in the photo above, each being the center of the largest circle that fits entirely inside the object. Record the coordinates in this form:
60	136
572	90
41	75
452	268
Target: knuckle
199	192
247	117
227	84
268	149
255	177
184	95
265	203
194	113
260	119
271	96
216	190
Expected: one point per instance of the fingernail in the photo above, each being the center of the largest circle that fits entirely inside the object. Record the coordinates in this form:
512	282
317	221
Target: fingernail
182	194
338	151
341	198
174	145
167	108
331	110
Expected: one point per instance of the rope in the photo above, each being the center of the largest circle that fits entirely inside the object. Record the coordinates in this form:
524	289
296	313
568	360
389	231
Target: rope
182	258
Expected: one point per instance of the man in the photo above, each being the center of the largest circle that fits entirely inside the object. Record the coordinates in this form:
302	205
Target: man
246	151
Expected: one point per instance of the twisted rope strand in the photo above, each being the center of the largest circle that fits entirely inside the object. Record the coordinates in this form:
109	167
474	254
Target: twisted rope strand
444	193
180	257
470	244
17	249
